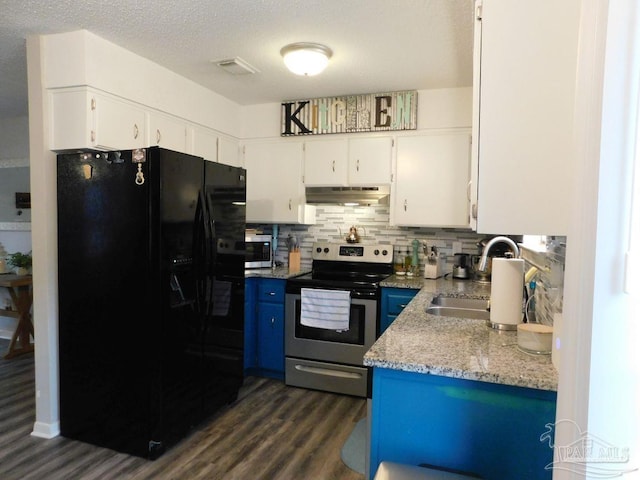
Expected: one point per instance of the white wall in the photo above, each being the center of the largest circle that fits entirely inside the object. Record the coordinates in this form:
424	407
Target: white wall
599	384
14	138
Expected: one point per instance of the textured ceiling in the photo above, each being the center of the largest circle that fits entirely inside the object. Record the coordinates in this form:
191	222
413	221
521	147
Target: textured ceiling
378	45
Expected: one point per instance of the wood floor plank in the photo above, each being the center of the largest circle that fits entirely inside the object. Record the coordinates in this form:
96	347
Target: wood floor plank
271	432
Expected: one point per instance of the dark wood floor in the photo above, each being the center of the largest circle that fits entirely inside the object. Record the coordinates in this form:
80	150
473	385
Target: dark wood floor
272	432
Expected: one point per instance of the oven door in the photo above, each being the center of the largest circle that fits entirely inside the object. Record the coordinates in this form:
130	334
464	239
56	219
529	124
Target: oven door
330	360
346	347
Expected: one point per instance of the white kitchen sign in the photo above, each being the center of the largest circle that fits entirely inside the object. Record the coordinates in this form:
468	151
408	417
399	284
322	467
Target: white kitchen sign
350	114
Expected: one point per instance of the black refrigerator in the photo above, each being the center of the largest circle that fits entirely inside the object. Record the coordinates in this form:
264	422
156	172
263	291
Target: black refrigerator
150	295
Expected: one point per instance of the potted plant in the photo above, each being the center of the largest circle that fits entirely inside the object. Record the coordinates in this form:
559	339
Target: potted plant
21	262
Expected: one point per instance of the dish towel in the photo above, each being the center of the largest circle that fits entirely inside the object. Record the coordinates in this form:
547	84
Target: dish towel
328	309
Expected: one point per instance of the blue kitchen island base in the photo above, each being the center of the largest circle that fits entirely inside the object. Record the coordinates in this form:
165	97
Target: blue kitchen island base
486	429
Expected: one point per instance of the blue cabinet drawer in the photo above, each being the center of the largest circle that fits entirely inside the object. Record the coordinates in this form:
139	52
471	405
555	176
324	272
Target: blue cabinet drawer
271	290
397	301
392	302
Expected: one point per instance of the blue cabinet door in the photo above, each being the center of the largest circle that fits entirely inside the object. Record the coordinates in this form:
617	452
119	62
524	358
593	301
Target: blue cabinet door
271	339
392	302
494	431
266	328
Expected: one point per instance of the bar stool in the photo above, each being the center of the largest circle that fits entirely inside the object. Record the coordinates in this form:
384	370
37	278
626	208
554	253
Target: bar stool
398	471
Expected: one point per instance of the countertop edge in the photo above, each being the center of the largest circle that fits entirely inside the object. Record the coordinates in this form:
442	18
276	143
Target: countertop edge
379	355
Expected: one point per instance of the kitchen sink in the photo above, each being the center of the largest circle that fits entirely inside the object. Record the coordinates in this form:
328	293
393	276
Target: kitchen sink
459	307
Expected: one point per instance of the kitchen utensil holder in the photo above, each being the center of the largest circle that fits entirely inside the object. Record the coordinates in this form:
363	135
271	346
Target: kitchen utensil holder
294	261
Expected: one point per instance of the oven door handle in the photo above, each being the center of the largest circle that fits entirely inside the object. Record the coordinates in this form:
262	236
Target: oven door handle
357	294
327	371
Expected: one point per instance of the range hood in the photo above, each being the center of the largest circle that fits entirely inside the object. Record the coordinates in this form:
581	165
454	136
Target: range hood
348	195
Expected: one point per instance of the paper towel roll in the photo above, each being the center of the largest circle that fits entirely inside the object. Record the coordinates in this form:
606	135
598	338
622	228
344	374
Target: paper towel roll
507	287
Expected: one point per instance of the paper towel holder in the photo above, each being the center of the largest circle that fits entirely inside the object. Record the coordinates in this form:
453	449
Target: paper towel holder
507	285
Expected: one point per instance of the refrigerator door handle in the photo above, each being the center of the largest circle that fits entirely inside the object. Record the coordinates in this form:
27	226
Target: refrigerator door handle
200	255
211	241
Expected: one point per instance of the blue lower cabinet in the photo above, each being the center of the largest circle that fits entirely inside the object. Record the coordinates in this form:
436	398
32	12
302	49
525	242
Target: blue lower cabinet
490	430
392	302
271	339
264	328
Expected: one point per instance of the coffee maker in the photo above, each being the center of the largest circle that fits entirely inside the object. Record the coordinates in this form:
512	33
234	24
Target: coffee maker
461	266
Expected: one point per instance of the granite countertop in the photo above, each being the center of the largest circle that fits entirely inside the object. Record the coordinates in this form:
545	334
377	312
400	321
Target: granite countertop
278	272
456	347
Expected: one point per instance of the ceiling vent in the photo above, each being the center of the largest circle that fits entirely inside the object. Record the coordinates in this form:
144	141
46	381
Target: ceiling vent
236	66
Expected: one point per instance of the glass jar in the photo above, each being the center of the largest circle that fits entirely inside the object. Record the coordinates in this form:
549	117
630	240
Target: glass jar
398	261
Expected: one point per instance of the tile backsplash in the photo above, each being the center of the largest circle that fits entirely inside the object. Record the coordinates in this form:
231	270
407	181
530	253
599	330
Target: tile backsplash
333	223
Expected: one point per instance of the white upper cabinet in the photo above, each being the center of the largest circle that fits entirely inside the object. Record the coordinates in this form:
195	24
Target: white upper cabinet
432	179
355	161
325	162
84	118
204	143
525	64
370	161
228	152
166	131
275	192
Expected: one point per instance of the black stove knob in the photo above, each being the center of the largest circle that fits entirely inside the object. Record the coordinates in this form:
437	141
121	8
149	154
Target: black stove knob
318	249
376	252
384	252
326	249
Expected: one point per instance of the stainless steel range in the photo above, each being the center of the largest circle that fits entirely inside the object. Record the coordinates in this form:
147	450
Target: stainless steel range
331	316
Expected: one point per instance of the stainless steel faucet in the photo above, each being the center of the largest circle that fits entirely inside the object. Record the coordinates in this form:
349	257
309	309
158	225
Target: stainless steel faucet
491	243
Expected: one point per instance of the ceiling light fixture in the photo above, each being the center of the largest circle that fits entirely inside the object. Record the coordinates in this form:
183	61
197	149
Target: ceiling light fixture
306	58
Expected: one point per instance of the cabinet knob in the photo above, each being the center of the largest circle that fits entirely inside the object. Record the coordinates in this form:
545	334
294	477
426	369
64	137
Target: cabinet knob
273	322
405	204
135	131
333	166
358	165
271	294
158	136
289	204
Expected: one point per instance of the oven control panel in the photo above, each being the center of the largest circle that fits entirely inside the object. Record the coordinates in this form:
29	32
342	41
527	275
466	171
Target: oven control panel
352	252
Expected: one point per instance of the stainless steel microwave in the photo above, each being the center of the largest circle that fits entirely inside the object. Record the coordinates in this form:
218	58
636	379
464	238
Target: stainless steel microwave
258	251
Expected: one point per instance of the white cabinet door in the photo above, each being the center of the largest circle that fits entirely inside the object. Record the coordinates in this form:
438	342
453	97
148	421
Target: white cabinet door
275	193
71	120
167	132
370	161
325	163
117	124
228	152
431	181
84	118
204	143
525	115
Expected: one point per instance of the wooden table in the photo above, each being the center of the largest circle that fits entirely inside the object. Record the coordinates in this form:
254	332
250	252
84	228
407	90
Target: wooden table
19	287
